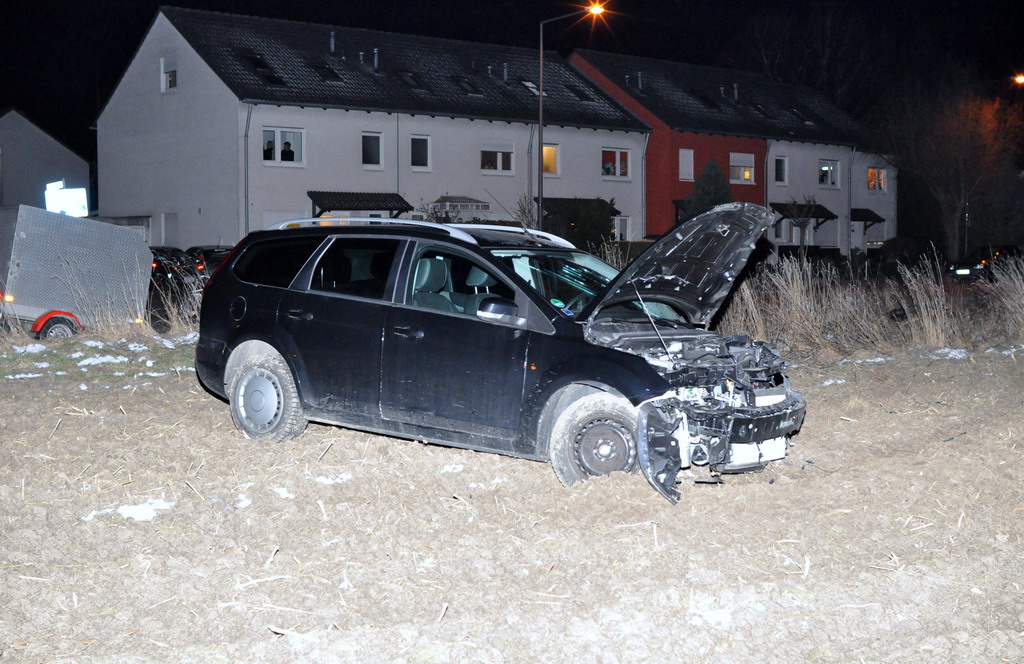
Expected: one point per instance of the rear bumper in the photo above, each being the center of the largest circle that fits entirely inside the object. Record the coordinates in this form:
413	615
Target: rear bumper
210	360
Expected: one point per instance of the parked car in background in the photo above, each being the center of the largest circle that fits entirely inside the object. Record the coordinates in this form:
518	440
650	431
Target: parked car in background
978	267
207	259
503	340
175	289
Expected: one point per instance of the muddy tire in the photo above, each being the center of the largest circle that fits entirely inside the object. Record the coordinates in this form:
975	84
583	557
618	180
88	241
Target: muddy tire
595	435
264	401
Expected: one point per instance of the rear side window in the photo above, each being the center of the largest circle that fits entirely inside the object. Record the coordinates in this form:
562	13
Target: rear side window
355	266
275	262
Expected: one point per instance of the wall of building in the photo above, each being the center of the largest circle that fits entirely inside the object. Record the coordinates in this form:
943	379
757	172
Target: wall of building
30	158
171	155
881	201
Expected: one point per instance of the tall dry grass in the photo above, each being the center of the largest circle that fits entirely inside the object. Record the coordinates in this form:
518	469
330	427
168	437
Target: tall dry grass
809	309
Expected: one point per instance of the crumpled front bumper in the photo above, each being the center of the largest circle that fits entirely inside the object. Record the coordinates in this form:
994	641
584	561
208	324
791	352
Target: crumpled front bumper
673	434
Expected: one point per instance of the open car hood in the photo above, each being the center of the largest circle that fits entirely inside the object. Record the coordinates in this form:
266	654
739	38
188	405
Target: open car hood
694	265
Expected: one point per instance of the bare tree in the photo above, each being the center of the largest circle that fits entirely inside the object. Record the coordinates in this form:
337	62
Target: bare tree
958	144
802	216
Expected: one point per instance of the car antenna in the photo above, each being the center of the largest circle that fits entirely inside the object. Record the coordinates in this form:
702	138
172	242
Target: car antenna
643	305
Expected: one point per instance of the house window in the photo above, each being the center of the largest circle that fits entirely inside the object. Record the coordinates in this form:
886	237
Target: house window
828	173
779	230
168	74
876	179
615	163
741	168
551	165
782	170
496	157
284	146
532	87
686	164
371	150
419	153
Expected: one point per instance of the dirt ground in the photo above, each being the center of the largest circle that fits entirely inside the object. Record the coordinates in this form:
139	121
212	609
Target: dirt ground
137	526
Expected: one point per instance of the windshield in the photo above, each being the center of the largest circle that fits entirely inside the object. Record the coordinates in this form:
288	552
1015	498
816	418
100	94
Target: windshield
568	280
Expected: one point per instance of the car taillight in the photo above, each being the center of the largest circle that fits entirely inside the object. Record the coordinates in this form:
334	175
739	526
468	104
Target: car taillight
7	297
154	265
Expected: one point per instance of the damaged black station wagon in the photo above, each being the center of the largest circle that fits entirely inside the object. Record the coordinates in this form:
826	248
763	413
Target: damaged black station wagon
502	340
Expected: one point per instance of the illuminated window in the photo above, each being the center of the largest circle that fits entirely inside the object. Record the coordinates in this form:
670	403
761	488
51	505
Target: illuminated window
876	179
551	159
686	164
828	173
615	163
741	168
283	146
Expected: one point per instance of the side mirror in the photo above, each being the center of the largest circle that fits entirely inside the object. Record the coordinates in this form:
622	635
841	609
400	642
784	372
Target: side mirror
500	310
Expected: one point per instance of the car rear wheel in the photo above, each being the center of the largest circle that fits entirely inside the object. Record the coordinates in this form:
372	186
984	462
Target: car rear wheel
264	401
58	328
595	435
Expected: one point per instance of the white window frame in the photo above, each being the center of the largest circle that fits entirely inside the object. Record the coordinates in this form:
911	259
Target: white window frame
279	140
741	168
831	167
784	181
430	157
168	74
879	180
686	164
621	155
558	160
379	166
504	155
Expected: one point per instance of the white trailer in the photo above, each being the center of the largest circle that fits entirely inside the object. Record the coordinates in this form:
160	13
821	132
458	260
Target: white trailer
61	274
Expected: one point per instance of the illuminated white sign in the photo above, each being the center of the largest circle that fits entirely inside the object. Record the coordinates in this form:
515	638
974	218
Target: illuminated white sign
72	202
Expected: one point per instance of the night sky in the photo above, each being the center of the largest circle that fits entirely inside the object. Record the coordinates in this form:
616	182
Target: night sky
60	60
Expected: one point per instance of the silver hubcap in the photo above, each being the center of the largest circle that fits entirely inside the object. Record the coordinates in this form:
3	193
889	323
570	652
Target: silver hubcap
59	330
260	400
603	447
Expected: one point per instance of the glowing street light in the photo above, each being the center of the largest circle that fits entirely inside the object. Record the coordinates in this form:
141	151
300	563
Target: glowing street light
593	10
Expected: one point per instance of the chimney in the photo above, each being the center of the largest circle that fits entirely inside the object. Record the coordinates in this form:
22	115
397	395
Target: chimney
376	59
640	81
627	80
504	72
332	42
360	57
735	91
489	72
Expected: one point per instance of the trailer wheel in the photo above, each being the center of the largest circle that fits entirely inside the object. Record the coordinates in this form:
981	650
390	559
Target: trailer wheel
58	327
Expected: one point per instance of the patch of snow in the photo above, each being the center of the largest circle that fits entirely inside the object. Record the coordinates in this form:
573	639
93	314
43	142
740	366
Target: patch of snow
493	483
949	354
77	354
31	348
242	502
165	342
41	365
91	343
338	479
144	511
833	381
103	359
83	387
452	468
190	338
17	376
137	348
281	491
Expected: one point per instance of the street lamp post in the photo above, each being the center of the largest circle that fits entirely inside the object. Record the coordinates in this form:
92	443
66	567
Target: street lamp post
593	10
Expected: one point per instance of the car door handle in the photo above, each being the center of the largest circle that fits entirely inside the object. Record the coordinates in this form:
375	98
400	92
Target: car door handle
299	314
408	332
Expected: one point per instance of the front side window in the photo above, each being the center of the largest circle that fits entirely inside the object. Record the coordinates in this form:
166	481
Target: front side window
551	164
355	266
448	281
615	163
284	146
686	164
828	173
567	280
419	153
782	170
371	150
876	179
741	168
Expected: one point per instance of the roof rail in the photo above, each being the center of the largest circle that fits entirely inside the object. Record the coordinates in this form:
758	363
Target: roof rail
371	221
524	231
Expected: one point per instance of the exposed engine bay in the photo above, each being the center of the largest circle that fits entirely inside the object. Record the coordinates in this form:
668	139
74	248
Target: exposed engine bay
730	408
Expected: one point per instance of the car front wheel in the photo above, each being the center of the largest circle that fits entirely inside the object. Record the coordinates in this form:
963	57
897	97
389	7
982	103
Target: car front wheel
595	435
264	401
